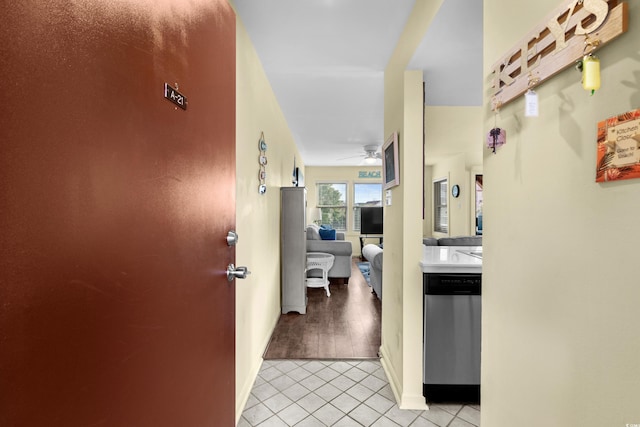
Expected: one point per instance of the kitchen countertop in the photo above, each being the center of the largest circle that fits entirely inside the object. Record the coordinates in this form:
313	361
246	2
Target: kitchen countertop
451	259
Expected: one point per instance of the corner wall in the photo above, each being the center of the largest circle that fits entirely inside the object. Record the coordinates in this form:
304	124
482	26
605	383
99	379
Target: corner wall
401	329
257	216
560	270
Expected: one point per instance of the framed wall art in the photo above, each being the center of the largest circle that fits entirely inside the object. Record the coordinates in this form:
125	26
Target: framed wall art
390	163
618	152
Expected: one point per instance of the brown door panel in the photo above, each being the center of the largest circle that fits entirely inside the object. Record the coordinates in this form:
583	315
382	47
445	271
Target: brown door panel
114	305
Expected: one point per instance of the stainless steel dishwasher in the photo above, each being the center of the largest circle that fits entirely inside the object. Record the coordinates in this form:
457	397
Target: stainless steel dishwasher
452	316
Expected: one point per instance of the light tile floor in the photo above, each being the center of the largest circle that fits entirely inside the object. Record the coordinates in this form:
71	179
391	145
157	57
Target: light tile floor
339	393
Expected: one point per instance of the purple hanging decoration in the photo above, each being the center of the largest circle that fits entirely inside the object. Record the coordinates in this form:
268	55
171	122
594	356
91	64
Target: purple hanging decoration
496	138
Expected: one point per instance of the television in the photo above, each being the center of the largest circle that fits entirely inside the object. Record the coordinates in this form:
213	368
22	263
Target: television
371	220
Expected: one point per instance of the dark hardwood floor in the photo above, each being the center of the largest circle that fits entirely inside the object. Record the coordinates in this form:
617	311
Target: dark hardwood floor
345	325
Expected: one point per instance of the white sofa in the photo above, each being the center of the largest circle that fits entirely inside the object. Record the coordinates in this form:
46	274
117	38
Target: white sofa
373	254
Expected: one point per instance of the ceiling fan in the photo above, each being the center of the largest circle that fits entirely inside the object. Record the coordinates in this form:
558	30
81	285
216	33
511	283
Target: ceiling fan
370	156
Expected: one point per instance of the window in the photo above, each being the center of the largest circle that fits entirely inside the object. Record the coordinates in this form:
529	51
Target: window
332	202
365	195
478	204
440	212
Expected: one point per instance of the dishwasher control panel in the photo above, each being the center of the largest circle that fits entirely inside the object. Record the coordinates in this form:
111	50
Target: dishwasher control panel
452	284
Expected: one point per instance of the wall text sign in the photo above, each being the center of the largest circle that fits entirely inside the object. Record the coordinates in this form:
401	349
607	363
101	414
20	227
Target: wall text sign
557	44
174	96
370	174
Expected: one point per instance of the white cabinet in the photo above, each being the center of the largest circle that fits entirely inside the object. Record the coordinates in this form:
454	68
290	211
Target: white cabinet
293	249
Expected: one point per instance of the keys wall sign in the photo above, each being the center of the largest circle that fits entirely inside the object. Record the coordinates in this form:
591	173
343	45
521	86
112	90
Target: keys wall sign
576	27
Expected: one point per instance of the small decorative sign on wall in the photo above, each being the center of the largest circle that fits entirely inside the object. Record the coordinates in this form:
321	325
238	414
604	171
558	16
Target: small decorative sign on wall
174	96
618	155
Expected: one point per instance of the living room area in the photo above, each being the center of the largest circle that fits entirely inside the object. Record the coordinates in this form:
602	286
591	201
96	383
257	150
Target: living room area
347	323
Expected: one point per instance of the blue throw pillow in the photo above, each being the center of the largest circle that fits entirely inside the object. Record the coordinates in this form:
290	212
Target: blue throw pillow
326	234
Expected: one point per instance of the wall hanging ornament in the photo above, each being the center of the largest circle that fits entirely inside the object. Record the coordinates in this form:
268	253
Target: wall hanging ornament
589	66
591	73
262	161
531	105
496	136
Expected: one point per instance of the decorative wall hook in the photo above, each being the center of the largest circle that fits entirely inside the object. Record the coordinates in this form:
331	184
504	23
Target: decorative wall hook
496	104
590	44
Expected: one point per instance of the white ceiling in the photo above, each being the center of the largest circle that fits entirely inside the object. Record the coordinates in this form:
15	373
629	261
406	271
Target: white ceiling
450	55
325	60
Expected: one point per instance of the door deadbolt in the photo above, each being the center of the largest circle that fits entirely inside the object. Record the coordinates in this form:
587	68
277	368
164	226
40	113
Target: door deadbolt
232	238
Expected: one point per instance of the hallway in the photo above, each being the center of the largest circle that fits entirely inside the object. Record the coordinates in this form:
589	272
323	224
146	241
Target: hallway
343	326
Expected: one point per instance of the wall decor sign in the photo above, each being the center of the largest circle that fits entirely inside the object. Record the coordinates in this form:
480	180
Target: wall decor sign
618	153
370	174
570	32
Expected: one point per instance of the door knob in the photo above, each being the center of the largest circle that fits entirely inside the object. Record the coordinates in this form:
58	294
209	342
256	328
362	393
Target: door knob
234	272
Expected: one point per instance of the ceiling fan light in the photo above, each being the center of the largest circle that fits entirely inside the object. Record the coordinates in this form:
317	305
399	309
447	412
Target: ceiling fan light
370	160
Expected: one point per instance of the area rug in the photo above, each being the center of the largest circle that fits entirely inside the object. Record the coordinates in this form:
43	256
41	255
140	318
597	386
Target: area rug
365	268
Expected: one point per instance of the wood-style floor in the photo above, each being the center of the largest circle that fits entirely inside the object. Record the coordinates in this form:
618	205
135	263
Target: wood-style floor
345	325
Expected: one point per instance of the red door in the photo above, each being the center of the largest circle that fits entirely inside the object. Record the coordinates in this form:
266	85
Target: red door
114	207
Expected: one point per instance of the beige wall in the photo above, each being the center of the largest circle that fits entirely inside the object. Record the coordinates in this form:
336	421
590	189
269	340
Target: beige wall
453	130
561	288
401	305
348	175
453	150
258	216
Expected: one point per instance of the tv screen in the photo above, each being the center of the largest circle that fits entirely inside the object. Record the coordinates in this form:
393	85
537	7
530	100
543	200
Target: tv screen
371	220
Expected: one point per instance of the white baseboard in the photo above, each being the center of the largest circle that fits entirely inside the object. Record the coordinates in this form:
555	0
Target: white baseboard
404	400
391	374
414	402
245	391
